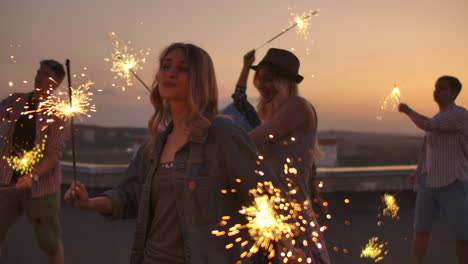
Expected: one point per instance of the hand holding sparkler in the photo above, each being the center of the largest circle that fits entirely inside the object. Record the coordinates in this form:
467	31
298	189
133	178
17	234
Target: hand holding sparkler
404	108
249	59
77	195
23	183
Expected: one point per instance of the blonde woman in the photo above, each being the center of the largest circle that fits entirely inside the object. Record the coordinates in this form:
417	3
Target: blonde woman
175	183
286	125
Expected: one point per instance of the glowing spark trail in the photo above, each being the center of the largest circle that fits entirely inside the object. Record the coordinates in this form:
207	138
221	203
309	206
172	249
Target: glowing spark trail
374	250
392	207
126	61
272	220
265	226
25	161
391	101
60	106
302	24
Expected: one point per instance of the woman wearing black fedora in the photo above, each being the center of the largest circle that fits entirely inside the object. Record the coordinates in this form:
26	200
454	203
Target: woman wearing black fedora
285	131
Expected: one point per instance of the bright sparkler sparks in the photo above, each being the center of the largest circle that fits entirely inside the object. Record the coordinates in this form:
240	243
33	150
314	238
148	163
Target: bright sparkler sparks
264	224
125	60
374	250
271	221
24	162
60	106
302	22
391	101
392	208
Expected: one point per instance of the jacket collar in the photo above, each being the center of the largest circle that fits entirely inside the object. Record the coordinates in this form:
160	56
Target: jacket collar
198	136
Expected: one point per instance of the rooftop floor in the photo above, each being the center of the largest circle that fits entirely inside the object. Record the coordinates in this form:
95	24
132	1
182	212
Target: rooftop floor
89	238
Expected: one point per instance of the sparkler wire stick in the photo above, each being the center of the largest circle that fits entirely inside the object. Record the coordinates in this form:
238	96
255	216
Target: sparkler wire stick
72	126
287	29
141	81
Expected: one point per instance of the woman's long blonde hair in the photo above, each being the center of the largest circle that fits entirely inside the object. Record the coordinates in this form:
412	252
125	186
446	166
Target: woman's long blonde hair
285	88
202	97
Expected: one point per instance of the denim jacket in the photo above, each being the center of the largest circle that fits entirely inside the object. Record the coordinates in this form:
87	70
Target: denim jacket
204	166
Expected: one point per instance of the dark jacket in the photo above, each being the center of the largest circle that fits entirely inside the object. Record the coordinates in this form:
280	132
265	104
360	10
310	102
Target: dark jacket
204	166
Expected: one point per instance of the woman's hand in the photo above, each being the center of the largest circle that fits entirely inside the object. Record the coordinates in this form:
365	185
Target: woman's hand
249	59
24	183
77	196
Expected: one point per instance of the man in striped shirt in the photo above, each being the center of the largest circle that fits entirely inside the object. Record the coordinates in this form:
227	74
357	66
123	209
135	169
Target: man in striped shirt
35	192
442	173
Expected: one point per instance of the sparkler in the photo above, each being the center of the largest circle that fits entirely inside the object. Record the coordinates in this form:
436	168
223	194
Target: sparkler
300	22
280	226
72	117
78	103
374	250
391	101
265	226
272	220
25	161
126	62
392	207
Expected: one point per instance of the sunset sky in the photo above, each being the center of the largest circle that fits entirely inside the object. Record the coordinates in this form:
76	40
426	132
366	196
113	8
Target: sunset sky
356	52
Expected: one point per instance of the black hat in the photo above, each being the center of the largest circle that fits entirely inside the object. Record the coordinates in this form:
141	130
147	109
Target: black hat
282	60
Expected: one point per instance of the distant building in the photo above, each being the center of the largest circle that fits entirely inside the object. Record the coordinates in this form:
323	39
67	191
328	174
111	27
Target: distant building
328	147
90	137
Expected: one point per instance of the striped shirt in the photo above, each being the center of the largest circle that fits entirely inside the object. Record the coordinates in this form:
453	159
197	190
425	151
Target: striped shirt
49	129
444	156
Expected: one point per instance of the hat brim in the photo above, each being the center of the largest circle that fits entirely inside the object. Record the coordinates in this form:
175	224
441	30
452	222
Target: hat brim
296	78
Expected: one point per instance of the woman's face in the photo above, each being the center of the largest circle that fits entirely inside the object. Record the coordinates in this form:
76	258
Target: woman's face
173	76
265	82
